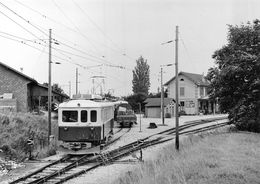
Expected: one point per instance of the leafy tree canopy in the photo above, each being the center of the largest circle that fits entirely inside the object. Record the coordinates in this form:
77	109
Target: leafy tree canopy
55	87
235	80
141	78
136	99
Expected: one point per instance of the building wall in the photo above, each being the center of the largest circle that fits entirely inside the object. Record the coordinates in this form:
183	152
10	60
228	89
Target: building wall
189	99
11	82
190	88
153	112
8	105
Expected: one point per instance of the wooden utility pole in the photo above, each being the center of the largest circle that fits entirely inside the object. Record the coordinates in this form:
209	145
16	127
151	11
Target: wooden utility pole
70	89
162	97
140	110
77	81
177	90
49	91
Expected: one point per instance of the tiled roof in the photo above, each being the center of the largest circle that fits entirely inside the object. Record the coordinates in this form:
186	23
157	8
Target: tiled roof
156	102
198	79
30	79
17	72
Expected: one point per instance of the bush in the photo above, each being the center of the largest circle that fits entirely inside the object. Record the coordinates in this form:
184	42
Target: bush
17	128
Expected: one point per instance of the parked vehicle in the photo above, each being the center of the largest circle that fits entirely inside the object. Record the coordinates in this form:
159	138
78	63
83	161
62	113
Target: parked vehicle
124	115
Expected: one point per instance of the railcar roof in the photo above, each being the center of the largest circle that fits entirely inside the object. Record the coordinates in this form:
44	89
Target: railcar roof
84	103
120	102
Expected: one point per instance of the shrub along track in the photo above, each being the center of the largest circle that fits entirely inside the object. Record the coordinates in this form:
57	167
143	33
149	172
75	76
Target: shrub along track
71	166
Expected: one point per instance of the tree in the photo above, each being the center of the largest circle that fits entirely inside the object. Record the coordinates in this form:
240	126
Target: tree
141	79
235	80
135	99
55	87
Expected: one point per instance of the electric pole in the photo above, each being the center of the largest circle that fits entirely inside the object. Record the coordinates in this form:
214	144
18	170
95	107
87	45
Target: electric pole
76	81
162	97
70	89
49	91
177	90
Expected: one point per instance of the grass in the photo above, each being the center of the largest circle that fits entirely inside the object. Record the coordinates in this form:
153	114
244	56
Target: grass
17	128
220	157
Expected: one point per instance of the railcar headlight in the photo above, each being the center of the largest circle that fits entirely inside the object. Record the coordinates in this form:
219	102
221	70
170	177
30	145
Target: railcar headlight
65	128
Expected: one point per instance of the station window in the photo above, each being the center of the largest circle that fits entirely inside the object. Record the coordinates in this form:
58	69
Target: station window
93	116
69	116
201	91
182	91
84	116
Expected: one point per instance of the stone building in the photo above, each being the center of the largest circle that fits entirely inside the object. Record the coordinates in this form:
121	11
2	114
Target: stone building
25	93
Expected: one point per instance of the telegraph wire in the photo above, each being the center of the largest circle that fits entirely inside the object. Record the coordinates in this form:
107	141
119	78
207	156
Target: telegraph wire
51	19
23	18
119	50
55	56
59	50
46	17
63	51
95	24
69	28
19	25
185	48
25	39
78	30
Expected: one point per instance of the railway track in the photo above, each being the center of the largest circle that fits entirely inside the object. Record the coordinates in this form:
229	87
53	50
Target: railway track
118	137
71	166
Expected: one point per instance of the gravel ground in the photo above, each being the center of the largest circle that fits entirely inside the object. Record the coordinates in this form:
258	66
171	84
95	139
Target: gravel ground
109	173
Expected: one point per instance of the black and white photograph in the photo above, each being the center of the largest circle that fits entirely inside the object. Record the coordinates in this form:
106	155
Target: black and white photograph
130	92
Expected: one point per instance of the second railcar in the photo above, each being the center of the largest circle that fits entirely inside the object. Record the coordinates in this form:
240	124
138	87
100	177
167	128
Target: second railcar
124	115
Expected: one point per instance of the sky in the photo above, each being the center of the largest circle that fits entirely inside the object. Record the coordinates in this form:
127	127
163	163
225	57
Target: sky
106	37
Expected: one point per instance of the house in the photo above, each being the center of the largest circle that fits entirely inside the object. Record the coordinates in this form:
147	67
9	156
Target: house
153	107
193	93
26	94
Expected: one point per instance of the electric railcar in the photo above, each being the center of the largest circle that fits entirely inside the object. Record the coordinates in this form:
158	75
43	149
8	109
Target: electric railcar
85	124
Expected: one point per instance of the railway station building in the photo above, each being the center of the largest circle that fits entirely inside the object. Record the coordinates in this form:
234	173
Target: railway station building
193	94
21	93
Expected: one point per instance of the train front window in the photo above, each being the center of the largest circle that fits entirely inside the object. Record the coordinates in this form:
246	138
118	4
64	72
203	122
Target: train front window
93	116
70	116
84	116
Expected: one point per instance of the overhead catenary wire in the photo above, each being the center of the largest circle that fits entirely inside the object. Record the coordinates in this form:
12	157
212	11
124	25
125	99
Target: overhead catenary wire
76	31
39	41
95	24
19	25
24	40
18	37
118	49
76	27
57	57
2	4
